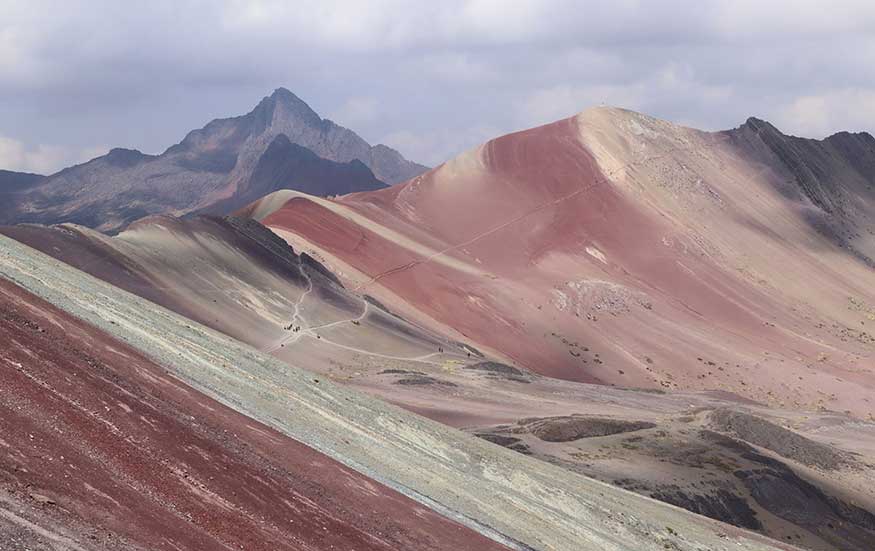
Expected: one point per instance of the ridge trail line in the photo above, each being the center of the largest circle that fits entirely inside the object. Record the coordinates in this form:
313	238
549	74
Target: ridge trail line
308	331
296	314
487	233
360	317
422	359
597	182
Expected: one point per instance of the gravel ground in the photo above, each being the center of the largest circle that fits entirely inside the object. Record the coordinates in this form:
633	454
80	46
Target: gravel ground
780	440
519	501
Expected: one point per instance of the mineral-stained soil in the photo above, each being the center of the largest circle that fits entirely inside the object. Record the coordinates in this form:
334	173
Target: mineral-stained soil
102	448
768	435
575	427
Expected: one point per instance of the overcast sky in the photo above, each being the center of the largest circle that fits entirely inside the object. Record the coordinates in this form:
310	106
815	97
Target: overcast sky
430	78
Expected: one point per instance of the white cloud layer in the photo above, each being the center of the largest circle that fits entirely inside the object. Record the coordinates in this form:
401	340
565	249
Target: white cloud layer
823	113
42	159
428	77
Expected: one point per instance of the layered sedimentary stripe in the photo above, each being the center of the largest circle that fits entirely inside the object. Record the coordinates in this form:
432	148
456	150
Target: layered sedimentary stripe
519	501
102	448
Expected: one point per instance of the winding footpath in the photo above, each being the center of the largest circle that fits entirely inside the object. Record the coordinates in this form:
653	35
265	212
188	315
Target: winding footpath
300	328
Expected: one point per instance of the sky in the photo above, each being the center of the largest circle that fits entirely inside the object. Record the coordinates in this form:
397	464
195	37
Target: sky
428	78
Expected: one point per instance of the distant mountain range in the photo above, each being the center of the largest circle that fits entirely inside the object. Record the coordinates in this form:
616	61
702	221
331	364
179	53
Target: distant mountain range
282	143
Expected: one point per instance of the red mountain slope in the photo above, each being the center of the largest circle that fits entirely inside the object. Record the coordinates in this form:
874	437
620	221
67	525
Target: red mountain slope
616	248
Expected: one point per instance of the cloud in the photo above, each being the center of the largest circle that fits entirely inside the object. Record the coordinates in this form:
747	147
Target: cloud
458	68
435	147
42	159
357	110
799	18
822	114
77	73
659	92
549	104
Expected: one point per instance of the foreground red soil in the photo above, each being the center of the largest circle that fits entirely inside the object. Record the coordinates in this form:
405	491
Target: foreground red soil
100	446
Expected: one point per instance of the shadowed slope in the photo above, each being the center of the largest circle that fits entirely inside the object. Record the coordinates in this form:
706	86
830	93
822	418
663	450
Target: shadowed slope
833	180
230	274
286	165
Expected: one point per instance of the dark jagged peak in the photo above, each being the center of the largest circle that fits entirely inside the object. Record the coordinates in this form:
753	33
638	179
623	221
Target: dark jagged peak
282	112
284	97
281	109
858	149
282	145
287	164
763	127
283	104
759	124
863	135
833	173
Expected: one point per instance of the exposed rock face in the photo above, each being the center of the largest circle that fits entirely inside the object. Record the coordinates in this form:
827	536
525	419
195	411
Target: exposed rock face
719	504
218	168
837	175
287	165
782	492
